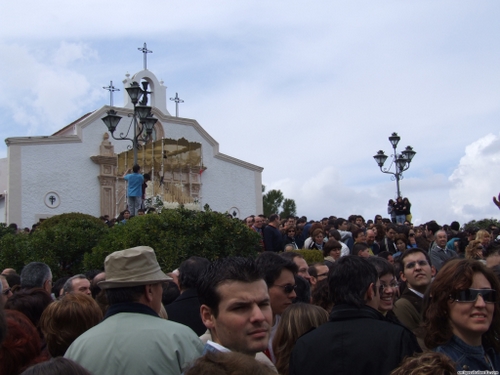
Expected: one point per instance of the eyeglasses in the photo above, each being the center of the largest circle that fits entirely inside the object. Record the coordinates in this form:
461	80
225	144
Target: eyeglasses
287	288
6	291
382	287
470	295
421	263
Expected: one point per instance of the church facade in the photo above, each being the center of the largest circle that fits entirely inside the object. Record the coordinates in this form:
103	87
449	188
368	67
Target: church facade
80	167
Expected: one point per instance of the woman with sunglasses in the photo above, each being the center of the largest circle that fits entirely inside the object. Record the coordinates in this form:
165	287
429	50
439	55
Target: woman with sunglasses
462	318
289	237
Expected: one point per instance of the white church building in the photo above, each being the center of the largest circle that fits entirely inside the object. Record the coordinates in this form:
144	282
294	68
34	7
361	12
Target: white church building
80	167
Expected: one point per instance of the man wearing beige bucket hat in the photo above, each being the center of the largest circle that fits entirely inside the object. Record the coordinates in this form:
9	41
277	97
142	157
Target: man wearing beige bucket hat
132	338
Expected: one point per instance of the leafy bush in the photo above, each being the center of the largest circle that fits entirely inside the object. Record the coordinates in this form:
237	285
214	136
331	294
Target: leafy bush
311	256
60	242
4	229
16	250
175	235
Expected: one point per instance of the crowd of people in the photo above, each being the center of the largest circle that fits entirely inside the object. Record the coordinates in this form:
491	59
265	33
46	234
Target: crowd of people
388	298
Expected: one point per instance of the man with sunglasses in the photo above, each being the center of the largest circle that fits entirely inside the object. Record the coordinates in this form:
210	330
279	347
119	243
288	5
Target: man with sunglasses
317	271
279	274
417	273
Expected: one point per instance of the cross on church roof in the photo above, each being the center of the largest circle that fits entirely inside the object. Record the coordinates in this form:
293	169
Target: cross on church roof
111	89
177	100
145	51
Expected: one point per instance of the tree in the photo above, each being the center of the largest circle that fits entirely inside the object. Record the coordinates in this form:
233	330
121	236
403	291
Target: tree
481	224
272	201
289	208
275	203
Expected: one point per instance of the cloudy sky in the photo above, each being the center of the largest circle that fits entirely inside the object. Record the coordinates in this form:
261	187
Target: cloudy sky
308	90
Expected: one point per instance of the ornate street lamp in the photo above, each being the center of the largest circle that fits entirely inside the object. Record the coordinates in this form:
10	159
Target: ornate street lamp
400	161
142	120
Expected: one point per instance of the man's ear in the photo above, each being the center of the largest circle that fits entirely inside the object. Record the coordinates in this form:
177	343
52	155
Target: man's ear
313	280
433	271
148	292
370	293
402	276
207	317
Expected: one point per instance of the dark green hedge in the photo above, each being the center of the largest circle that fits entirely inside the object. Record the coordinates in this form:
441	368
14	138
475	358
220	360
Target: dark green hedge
60	241
311	256
175	235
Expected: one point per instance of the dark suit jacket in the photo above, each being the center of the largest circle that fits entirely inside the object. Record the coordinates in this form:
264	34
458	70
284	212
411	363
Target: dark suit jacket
186	310
354	341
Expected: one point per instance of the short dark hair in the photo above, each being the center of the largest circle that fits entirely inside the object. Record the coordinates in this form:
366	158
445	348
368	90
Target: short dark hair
356	232
335	234
339	222
414	250
273	217
272	265
349	280
125	294
455	225
226	270
432	226
357	247
190	271
136	168
34	275
391	226
331	244
382	266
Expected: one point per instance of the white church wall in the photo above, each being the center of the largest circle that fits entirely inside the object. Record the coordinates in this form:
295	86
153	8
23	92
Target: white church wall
71	175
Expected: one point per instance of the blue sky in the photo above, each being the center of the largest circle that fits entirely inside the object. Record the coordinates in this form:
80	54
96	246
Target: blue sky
308	90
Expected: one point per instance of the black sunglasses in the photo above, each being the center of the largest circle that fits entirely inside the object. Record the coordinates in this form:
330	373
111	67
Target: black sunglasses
288	288
470	295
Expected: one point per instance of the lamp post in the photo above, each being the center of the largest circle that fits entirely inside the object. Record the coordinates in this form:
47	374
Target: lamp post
400	161
142	115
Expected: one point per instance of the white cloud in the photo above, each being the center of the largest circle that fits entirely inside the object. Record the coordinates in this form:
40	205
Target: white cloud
476	179
42	96
70	52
